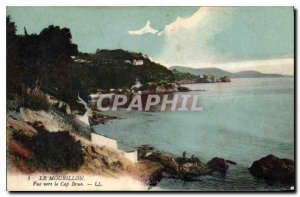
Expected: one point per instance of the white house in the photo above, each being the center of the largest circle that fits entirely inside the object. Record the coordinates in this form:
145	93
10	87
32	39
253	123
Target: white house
138	62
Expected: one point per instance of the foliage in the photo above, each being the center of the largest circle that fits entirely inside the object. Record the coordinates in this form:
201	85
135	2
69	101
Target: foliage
36	101
57	151
53	151
14	69
119	64
179	76
190	78
31	57
48	58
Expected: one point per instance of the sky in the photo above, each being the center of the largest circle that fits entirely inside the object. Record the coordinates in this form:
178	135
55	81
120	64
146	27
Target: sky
230	38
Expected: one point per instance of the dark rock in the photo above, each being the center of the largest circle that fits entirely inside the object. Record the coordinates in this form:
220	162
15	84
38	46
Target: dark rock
98	118
143	151
225	79
166	160
181	167
190	171
191	167
183	89
274	169
218	164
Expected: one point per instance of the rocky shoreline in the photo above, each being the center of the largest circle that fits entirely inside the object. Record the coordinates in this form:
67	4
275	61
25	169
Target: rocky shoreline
187	169
164	165
152	166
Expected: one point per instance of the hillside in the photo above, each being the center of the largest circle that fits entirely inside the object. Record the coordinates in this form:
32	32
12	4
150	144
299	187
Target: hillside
202	71
220	73
254	74
51	62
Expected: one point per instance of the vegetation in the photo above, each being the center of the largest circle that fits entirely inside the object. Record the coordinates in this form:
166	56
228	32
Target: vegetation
183	78
180	76
50	61
36	101
52	151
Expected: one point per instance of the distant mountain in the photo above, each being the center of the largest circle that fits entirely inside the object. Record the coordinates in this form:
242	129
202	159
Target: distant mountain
254	74
221	73
202	71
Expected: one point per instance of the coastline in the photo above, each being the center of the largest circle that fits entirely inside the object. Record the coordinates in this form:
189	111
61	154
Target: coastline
177	105
53	122
118	129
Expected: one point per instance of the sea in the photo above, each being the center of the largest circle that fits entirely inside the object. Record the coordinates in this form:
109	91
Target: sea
242	121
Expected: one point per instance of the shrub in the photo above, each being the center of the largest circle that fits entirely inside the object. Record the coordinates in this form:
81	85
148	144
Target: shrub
52	151
17	149
57	151
36	101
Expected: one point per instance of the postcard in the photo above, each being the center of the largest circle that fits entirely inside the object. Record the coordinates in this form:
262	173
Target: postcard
150	99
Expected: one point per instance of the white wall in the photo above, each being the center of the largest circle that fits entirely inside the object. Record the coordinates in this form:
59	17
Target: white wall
100	140
132	156
104	141
83	118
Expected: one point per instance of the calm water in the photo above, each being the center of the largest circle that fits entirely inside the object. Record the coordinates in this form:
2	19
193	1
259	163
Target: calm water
242	121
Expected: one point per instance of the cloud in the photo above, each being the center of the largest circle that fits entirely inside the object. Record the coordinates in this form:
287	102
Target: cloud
184	23
190	40
145	30
231	38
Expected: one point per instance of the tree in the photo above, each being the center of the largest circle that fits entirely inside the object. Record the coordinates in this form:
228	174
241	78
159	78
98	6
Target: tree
11	36
55	44
14	64
32	57
54	58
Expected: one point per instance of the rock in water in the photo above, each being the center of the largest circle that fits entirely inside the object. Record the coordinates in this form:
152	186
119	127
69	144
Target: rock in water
225	79
274	169
181	167
167	160
183	89
218	164
144	151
